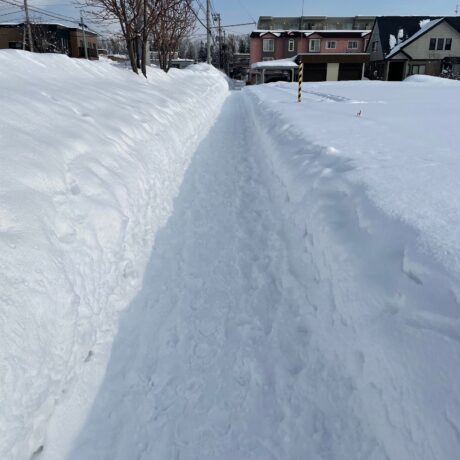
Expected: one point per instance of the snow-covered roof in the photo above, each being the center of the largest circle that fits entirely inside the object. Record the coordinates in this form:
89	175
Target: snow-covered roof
277	63
427	26
65	24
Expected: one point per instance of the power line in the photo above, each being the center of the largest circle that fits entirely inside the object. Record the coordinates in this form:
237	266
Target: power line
12	12
247	11
42	11
234	25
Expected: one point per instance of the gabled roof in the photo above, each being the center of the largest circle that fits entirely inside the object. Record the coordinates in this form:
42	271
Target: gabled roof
454	22
398	48
325	32
396	26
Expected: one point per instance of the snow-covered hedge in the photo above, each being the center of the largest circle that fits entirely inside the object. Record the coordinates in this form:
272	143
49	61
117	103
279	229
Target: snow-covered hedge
91	158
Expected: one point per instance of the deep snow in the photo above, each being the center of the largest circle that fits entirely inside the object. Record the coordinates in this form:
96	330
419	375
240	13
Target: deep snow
301	297
372	205
91	157
214	359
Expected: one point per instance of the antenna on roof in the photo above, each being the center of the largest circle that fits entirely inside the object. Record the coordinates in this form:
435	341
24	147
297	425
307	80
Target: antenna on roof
303	4
456	10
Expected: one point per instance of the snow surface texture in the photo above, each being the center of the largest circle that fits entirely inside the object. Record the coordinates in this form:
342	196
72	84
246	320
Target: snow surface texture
301	298
214	359
289	310
372	204
91	157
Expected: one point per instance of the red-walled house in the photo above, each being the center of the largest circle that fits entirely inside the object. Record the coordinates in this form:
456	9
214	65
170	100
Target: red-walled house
326	54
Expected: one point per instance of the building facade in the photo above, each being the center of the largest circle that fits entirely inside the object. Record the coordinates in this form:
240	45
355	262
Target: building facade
316	23
49	38
404	46
326	54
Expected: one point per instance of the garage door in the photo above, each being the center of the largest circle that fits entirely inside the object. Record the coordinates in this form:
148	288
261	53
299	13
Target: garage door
314	72
350	71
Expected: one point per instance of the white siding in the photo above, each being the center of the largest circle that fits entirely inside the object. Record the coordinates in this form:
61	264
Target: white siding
420	48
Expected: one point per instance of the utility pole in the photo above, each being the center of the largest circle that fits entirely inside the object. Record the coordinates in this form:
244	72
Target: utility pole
216	17
208	27
29	29
84	34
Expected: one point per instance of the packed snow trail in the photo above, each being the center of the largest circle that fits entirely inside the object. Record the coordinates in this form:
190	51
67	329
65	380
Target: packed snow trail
213	359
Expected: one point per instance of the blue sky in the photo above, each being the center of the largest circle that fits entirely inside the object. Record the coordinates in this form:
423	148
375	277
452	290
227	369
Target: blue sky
241	11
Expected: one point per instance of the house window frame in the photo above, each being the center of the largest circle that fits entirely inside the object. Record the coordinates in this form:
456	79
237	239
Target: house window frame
311	48
374	46
265	59
268	41
329	43
418	67
440	44
291	45
432	45
366	44
448	44
353	47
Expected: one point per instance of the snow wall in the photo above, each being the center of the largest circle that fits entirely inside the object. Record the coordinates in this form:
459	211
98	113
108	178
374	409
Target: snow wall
91	158
386	311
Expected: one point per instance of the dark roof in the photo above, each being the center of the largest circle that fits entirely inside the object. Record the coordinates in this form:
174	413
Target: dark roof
347	34
50	26
453	22
391	25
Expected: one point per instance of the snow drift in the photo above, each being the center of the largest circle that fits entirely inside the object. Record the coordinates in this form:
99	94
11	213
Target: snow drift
91	157
372	211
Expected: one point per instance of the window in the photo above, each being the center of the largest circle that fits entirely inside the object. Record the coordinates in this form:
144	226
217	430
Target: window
331	45
267	59
291	45
366	42
352	45
417	69
448	44
314	45
440	44
374	47
269	45
432	44
15	45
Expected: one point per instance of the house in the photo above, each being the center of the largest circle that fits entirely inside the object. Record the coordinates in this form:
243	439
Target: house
326	54
403	46
49	38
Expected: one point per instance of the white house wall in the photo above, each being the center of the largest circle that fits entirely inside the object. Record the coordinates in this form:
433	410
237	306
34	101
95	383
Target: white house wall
420	48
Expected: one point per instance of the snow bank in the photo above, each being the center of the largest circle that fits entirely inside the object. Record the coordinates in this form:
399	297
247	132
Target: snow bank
91	157
371	204
429	80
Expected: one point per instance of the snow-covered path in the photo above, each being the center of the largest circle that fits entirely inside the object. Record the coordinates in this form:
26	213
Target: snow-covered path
213	359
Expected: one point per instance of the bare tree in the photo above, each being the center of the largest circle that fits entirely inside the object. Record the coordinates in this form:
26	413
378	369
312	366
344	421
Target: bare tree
175	21
136	19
